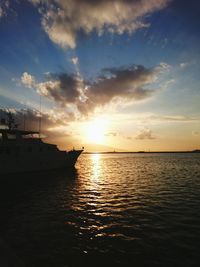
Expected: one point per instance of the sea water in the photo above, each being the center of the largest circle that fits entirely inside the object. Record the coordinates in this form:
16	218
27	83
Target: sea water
113	210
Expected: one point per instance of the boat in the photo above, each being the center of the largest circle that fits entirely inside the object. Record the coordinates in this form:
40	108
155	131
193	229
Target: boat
25	151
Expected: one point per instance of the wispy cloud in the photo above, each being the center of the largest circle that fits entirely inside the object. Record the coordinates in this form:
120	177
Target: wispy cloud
64	19
112	134
74	61
171	118
195	133
184	65
145	133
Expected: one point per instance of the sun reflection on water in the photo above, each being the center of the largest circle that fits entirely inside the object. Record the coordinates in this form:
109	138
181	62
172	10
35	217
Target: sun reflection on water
90	188
96	169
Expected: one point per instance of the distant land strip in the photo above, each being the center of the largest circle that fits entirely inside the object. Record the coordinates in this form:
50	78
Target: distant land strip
141	152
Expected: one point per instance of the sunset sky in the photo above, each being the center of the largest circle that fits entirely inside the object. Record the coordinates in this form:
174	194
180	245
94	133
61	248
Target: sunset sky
112	74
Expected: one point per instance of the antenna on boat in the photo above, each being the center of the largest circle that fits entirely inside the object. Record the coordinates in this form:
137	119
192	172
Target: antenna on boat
11	121
40	117
24	116
2	118
24	121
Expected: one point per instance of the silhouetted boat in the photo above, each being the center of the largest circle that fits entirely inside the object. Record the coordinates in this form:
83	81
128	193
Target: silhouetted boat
24	151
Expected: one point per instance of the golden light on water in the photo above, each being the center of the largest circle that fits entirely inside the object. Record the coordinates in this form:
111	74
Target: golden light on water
96	166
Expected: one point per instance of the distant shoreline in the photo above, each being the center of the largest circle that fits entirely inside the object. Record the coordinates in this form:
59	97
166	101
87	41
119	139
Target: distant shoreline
141	152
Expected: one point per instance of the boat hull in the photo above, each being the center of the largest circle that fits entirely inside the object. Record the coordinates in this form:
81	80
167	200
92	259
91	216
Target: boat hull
37	162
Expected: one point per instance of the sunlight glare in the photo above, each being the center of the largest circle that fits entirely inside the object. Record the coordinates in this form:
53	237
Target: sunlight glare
96	166
94	131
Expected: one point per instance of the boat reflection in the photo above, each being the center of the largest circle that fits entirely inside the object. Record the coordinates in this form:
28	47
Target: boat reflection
21	187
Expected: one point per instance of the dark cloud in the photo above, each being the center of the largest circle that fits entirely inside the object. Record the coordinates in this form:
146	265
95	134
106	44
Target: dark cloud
114	84
126	83
53	125
29	119
67	89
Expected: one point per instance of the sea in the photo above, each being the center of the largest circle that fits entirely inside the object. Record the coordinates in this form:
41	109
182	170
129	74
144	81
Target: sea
114	209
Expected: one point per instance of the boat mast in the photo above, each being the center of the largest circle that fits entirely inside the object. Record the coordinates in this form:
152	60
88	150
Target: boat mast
40	117
24	121
11	122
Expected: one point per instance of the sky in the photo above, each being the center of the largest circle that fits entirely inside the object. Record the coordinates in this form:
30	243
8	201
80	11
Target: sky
104	74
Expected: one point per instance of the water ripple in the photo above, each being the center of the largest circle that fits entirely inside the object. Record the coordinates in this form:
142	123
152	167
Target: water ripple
116	209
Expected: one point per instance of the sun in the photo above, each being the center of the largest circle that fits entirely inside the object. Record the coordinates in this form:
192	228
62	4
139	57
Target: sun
94	131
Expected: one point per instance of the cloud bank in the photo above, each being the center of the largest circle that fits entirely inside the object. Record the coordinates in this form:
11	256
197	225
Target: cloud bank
113	85
63	20
29	119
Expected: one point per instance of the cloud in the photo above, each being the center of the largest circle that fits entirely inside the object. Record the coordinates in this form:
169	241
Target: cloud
163	66
145	133
172	118
50	120
74	60
115	84
184	64
195	133
64	19
113	134
55	125
63	88
1	12
160	119
27	80
112	86
4	6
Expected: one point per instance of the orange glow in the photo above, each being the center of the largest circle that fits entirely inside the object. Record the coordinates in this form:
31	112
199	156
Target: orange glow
94	131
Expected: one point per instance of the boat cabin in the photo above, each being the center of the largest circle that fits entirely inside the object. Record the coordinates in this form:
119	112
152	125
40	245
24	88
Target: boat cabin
13	142
17	135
